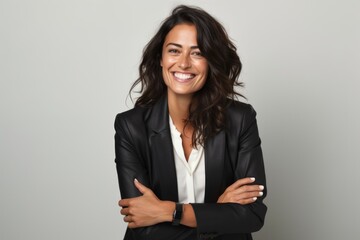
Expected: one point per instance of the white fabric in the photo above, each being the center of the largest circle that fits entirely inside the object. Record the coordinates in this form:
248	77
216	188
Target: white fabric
190	174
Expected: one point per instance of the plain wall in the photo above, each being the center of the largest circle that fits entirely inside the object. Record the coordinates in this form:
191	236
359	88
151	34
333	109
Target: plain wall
65	71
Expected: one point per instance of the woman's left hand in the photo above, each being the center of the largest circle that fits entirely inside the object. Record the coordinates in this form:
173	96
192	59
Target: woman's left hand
145	210
242	192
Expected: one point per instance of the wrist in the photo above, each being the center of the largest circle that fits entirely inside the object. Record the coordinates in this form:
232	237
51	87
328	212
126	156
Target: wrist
168	208
178	213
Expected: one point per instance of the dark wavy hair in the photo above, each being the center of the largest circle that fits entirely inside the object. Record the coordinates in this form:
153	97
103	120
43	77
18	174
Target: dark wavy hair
207	110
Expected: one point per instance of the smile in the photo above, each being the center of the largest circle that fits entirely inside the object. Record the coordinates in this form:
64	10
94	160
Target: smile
183	76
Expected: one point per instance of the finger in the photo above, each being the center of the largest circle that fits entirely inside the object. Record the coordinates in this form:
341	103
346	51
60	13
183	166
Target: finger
247	201
248	195
127	218
125	211
249	188
140	187
124	202
240	182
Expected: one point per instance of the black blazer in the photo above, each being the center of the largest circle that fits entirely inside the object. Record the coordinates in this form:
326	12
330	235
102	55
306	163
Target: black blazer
144	150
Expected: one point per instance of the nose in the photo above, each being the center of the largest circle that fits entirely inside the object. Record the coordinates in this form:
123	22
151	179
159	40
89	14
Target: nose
184	61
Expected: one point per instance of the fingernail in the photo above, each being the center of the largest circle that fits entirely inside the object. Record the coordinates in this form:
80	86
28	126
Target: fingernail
254	198
261	187
136	180
261	193
252	179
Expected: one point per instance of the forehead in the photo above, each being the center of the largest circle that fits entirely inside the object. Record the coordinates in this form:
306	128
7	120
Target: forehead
184	34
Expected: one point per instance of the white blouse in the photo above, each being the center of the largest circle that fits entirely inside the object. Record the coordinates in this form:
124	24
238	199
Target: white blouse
190	174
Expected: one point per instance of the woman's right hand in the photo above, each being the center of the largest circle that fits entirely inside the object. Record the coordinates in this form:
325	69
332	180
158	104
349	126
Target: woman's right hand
242	192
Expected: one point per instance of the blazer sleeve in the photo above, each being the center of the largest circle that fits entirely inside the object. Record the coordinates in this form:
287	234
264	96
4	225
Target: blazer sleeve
129	165
230	218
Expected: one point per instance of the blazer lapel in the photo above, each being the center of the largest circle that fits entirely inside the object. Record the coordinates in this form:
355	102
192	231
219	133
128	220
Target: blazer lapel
214	166
162	156
163	169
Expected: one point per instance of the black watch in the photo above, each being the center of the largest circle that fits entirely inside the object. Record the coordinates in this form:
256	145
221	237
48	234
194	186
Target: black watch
177	215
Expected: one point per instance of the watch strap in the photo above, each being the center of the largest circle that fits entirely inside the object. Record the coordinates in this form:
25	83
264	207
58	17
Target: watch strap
177	215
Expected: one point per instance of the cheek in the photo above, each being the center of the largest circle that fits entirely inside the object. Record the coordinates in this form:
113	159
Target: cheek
205	71
203	67
205	74
168	62
166	76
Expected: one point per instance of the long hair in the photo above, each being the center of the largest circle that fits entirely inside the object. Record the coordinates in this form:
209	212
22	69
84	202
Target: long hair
207	110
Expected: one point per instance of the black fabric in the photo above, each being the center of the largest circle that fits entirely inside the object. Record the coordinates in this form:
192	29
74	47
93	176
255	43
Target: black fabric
144	151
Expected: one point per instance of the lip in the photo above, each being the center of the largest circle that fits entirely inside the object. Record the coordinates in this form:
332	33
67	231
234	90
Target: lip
183	79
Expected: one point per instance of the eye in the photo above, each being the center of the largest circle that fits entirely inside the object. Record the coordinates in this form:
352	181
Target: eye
197	53
173	51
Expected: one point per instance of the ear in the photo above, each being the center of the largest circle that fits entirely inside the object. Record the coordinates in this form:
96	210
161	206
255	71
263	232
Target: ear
161	62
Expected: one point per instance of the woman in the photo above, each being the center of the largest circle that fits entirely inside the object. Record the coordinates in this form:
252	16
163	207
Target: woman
188	155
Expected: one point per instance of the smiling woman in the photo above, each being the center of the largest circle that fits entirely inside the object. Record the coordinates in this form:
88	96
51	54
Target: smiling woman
184	69
188	154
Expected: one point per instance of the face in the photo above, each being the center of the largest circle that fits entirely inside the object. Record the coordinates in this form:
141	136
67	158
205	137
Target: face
184	69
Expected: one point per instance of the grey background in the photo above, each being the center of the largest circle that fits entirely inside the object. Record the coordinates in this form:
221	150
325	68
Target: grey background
65	70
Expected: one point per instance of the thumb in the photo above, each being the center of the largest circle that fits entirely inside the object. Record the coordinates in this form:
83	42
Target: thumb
140	187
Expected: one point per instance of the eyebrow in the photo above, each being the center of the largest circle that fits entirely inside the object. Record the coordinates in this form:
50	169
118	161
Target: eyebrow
180	46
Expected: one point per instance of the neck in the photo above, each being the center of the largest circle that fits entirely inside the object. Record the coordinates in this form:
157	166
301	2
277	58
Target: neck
179	109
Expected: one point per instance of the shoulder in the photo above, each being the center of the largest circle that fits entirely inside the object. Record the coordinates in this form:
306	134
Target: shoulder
133	113
240	114
132	117
238	110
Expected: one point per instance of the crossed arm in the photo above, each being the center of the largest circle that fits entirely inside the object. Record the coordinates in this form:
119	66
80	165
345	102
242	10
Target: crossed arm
148	210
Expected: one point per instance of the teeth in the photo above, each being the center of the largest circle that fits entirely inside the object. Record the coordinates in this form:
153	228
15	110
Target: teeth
183	75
